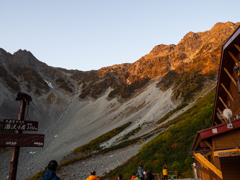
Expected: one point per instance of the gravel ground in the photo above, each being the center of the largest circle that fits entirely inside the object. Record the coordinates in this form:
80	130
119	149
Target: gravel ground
102	164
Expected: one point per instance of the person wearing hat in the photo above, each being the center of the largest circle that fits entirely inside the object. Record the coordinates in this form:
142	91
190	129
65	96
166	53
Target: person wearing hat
137	177
51	173
133	176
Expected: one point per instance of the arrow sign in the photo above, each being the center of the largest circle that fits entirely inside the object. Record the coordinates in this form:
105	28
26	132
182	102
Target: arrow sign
13	124
22	140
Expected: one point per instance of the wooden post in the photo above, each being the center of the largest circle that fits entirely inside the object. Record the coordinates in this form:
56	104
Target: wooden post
24	98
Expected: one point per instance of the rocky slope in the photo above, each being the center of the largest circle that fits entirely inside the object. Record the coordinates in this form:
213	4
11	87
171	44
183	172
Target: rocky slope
73	107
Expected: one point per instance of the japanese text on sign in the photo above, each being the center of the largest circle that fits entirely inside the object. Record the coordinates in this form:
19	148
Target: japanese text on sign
12	124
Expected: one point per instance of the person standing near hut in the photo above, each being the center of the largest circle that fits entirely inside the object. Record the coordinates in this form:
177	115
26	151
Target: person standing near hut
140	172
164	169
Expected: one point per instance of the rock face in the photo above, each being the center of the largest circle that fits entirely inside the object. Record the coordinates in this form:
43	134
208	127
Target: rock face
79	106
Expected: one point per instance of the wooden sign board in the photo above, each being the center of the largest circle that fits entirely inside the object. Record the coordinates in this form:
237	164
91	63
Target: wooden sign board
12	124
228	153
22	140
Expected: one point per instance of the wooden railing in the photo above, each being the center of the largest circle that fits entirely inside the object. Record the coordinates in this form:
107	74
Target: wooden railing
160	175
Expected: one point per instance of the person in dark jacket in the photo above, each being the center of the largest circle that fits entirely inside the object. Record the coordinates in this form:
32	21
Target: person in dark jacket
140	172
119	177
51	173
150	176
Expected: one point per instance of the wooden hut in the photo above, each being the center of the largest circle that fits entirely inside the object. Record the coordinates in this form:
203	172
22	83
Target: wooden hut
216	149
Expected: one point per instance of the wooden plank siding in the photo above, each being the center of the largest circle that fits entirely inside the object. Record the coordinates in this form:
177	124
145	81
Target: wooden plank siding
228	139
230	167
203	173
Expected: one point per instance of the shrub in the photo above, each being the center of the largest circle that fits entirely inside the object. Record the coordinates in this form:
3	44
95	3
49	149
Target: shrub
179	107
94	144
131	133
63	84
167	80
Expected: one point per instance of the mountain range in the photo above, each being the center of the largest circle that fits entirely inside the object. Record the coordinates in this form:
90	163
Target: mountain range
74	107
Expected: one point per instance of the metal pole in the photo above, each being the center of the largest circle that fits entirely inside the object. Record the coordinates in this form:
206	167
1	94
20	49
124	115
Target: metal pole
15	154
195	170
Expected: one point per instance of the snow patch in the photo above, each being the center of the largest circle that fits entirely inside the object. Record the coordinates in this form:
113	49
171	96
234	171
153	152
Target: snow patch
49	84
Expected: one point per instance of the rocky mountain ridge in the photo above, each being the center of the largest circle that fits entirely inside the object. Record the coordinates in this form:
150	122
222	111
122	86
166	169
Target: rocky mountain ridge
73	107
196	50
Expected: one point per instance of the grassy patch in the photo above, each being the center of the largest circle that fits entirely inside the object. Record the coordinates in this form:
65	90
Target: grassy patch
37	175
94	144
131	133
164	118
70	161
121	145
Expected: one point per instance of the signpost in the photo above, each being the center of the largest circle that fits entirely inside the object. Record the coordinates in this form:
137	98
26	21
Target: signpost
12	124
18	139
23	140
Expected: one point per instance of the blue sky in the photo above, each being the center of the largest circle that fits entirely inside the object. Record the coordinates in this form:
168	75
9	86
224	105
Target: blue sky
91	34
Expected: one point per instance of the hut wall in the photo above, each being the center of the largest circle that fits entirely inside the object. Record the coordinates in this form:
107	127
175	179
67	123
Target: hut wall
230	167
228	139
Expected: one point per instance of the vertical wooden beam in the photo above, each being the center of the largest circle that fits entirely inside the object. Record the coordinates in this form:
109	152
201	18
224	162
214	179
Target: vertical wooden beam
227	92
223	102
222	116
229	75
234	58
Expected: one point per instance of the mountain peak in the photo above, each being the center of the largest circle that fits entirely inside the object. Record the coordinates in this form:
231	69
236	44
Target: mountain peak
27	58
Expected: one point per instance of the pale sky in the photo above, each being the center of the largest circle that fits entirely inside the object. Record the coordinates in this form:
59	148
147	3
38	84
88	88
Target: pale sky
90	34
